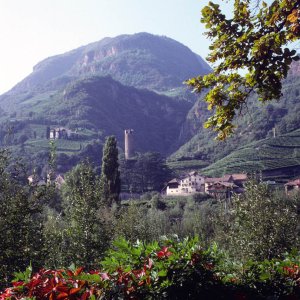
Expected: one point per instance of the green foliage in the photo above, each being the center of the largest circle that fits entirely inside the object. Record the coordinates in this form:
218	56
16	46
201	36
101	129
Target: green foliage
21	222
23	276
186	165
145	172
83	235
254	39
138	222
260	224
170	268
255	124
164	269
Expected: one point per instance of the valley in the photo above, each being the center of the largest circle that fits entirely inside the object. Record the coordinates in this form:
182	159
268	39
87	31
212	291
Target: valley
137	81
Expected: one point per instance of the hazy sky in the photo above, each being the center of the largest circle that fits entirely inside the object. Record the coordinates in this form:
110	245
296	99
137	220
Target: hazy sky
31	30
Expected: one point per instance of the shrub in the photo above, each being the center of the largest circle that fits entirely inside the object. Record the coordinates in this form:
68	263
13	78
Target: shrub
165	269
260	224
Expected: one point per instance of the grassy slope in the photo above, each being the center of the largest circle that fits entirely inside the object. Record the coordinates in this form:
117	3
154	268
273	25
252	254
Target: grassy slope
267	154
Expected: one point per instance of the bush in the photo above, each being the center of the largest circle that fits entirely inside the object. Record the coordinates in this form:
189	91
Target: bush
260	224
165	269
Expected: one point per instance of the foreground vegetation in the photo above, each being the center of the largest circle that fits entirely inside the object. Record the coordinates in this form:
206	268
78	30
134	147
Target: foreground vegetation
168	269
142	248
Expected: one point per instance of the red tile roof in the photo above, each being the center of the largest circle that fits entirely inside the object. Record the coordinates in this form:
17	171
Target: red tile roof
239	176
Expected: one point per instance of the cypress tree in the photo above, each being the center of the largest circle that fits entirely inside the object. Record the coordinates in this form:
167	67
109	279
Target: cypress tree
110	175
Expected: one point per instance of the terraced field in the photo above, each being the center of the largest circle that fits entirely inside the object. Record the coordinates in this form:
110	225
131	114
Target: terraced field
62	146
186	165
268	154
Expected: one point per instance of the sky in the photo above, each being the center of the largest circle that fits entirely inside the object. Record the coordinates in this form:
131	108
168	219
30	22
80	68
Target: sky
32	30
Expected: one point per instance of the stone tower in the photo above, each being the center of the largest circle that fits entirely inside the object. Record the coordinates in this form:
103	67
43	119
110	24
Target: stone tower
129	143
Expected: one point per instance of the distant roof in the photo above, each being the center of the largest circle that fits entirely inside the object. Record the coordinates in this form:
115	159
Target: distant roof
294	182
225	184
173	181
41	182
60	179
193	173
227	177
213	179
239	176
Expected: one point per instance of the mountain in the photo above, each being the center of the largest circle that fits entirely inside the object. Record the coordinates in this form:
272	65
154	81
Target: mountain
130	81
133	81
140	60
255	123
97	107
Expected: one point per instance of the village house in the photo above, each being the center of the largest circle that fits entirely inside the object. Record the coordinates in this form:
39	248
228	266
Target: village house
59	181
61	133
292	186
192	183
172	187
36	180
219	187
229	183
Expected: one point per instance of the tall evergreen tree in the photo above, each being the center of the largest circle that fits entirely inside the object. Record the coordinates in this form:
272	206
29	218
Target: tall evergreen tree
110	175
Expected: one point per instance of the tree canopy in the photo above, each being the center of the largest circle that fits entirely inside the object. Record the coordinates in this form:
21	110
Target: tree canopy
255	41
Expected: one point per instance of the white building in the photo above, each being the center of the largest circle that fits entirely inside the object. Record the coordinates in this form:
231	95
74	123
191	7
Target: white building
195	183
173	187
190	184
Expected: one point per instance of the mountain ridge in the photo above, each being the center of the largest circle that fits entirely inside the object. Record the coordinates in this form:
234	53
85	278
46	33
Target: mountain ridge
117	57
107	86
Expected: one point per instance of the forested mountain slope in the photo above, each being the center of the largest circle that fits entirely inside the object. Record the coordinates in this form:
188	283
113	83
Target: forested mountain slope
255	122
101	106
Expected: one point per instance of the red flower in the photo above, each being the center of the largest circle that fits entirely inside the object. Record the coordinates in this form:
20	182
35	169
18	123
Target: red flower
18	283
54	289
292	271
76	273
164	253
139	273
7	294
208	266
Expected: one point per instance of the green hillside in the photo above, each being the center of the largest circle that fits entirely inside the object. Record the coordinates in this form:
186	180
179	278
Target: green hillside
268	155
186	165
94	108
255	122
